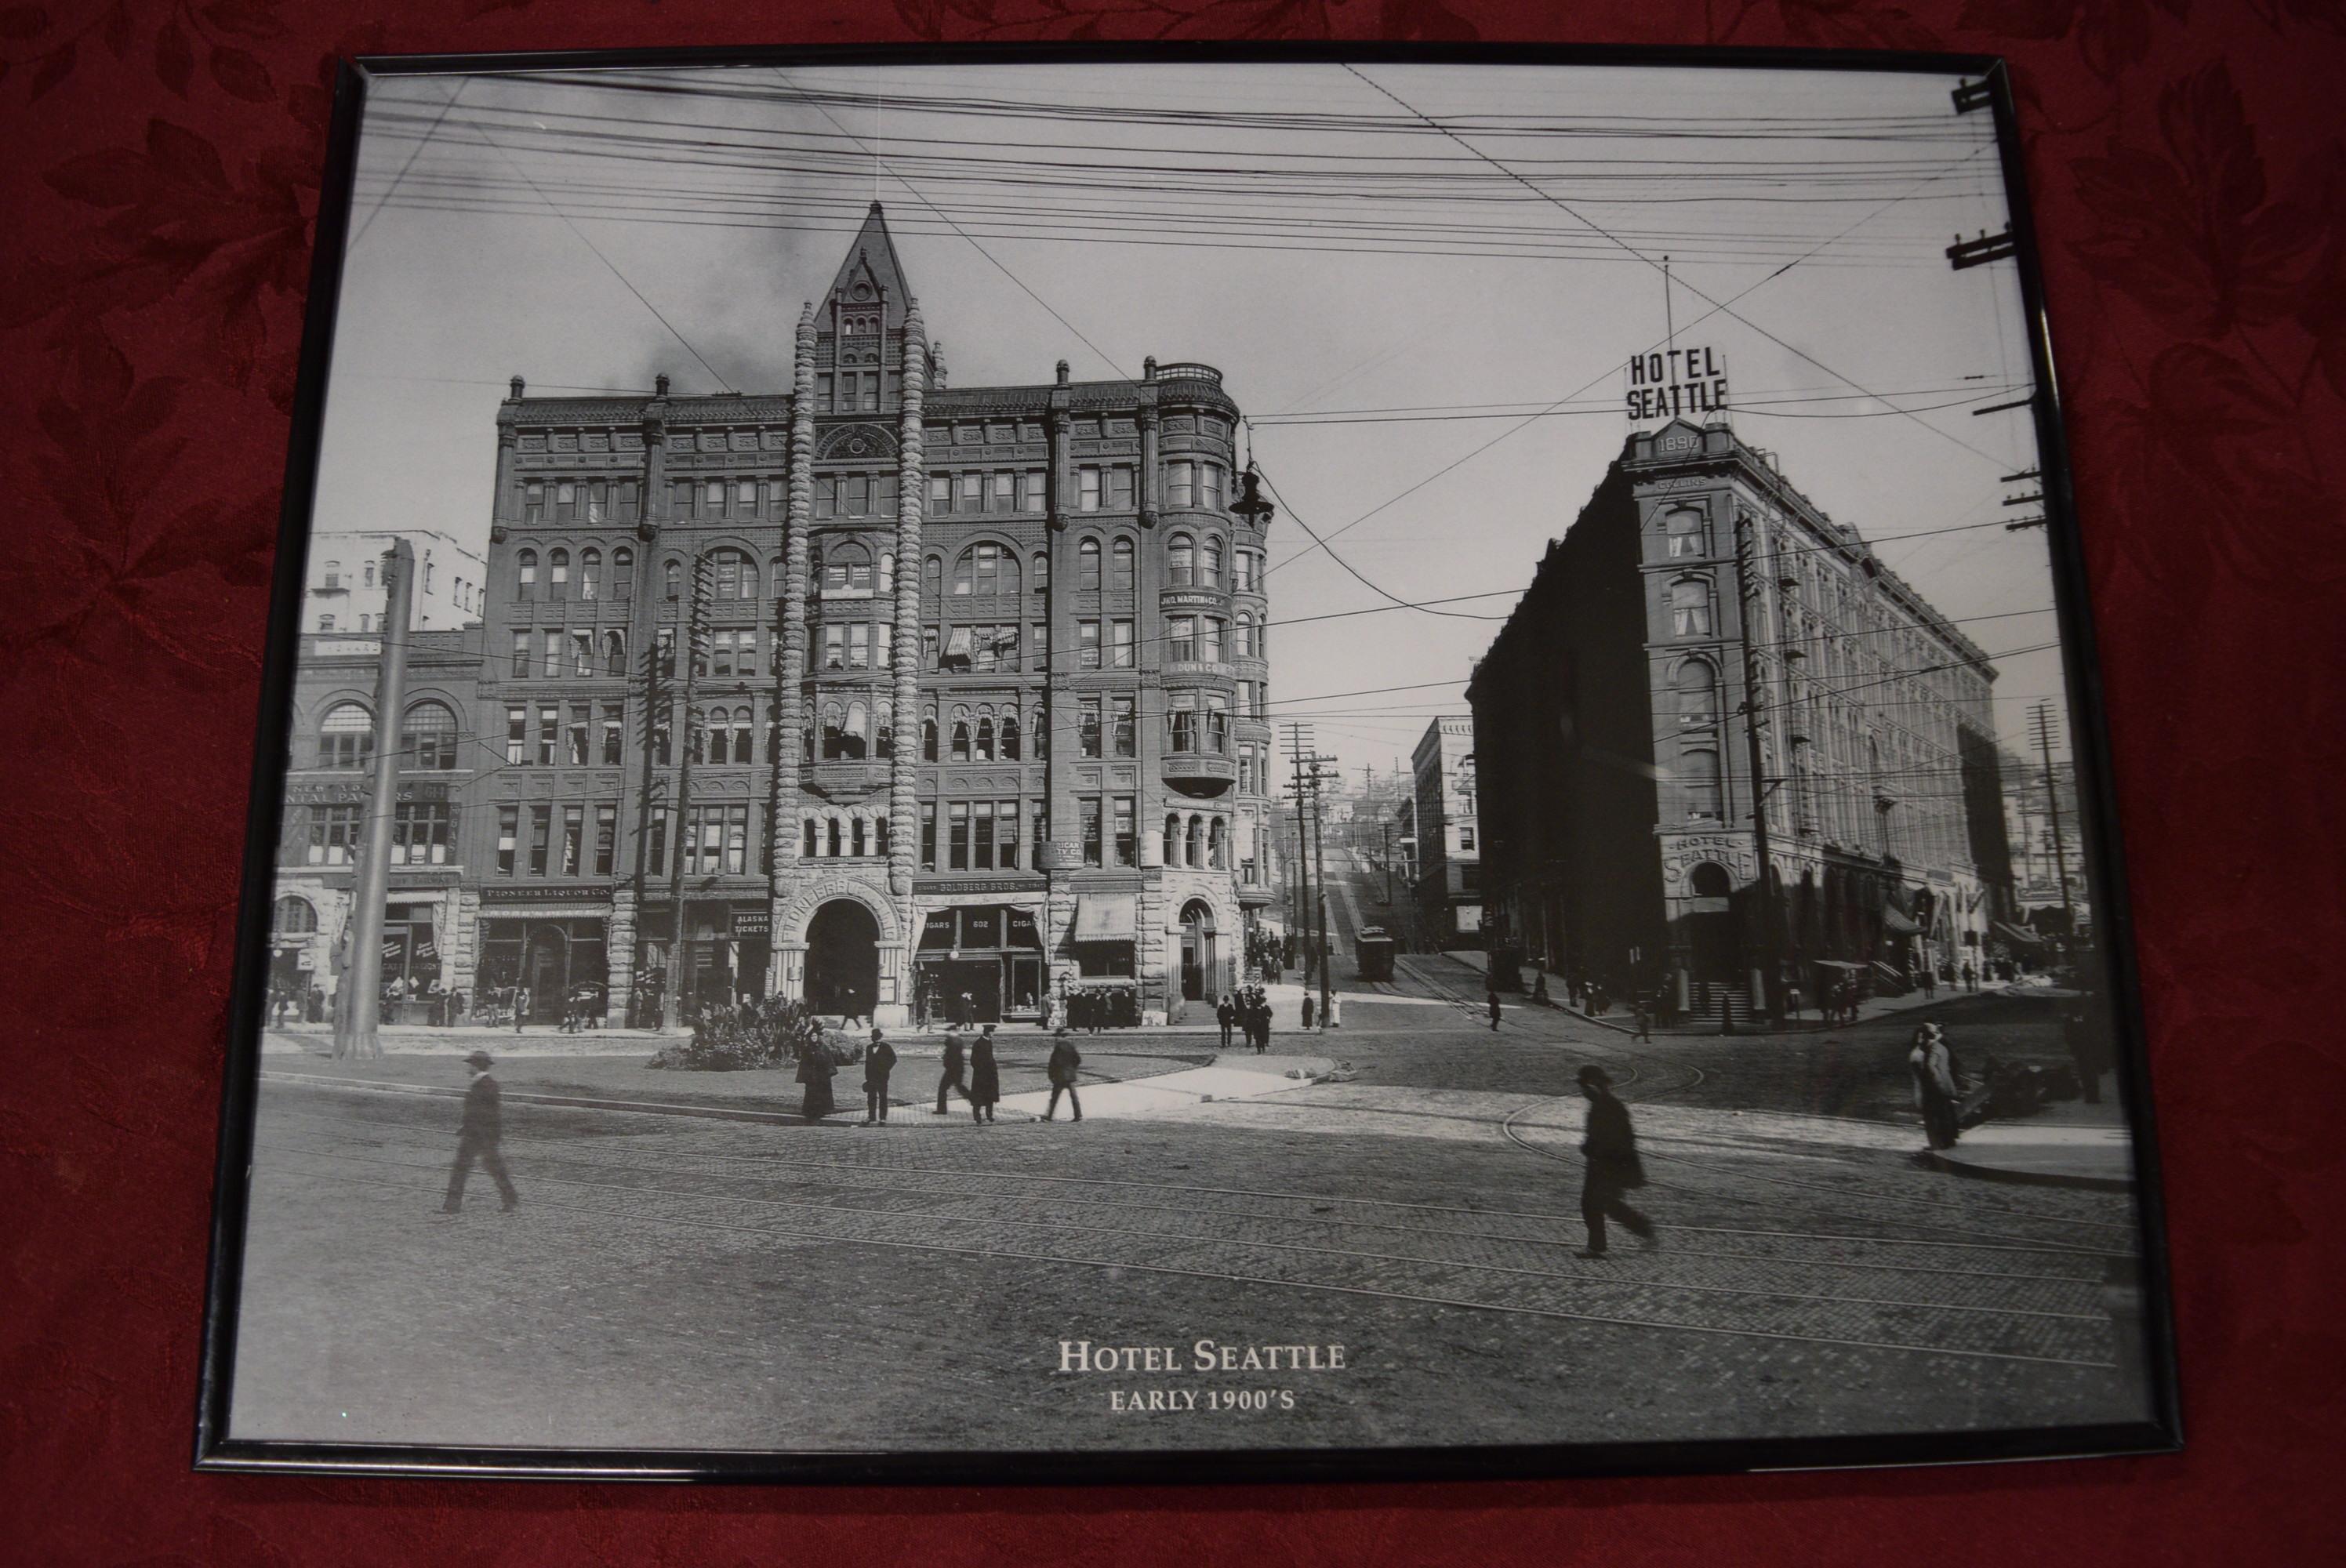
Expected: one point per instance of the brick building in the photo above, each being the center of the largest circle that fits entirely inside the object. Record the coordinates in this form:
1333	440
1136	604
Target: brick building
1616	792
1449	880
344	593
975	706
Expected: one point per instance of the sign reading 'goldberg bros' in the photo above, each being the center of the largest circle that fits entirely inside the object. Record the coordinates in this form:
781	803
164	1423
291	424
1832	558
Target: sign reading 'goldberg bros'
1670	383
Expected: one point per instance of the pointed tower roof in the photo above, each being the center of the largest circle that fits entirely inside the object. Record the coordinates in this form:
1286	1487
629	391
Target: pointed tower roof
872	265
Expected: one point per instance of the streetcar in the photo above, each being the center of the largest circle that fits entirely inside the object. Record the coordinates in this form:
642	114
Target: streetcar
1375	951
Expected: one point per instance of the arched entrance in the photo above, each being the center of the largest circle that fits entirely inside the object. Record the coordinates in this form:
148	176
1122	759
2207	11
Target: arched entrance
1711	924
842	960
1198	955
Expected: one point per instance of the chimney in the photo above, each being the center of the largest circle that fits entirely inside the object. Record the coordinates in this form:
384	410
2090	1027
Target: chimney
517	384
659	386
1062	373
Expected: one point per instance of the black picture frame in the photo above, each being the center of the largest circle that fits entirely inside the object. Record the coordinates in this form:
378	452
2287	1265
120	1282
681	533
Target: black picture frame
216	1451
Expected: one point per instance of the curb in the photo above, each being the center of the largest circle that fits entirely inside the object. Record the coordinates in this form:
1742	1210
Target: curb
1935	1160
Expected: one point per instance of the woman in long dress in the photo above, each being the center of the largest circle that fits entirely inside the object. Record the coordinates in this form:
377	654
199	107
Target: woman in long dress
984	1079
1935	1092
815	1071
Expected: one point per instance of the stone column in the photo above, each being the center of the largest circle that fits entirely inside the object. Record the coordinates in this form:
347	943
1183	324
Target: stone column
912	496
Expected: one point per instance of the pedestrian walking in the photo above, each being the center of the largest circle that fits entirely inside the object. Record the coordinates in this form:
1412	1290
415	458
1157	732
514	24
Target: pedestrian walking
1644	1015
984	1079
477	1137
949	1079
1937	1093
1971	976
521	1006
1064	1060
878	1061
1226	1015
1490	1001
1930	985
816	1071
1609	1149
1307	1010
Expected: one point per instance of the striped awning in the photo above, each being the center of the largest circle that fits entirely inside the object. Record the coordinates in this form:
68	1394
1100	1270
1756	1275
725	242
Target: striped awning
1106	917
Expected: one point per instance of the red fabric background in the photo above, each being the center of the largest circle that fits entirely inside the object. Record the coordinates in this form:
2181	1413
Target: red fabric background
161	173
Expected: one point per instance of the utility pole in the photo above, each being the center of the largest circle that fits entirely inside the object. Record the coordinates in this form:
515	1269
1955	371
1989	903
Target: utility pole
2040	719
1748	605
1302	838
655	696
1320	875
696	652
358	1008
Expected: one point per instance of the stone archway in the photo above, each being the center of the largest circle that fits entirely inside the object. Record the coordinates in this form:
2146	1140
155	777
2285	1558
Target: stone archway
1201	968
842	960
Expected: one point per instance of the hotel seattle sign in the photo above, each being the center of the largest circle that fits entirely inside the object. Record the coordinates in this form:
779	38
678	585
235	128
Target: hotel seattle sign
1673	381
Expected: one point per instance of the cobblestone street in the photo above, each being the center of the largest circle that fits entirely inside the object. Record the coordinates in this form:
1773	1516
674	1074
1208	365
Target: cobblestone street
680	1276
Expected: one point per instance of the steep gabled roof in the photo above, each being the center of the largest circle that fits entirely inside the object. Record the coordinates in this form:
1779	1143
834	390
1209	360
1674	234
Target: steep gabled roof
872	258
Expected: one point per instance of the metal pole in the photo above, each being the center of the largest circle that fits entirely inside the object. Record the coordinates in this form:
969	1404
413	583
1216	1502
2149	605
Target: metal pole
653	696
355	1024
2043	715
678	968
1748	594
1320	875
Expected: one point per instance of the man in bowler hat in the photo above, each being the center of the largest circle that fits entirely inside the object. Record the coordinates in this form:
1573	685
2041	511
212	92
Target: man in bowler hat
1612	1165
476	1138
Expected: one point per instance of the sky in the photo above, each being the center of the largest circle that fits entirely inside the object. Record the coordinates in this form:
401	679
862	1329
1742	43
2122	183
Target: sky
1421	284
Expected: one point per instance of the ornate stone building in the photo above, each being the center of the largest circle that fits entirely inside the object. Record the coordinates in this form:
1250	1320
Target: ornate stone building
1617	790
875	692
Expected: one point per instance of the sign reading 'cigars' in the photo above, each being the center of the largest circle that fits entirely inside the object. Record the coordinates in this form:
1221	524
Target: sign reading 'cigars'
1668	382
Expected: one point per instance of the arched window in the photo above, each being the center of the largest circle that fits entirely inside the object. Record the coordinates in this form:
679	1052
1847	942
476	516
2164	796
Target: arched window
1209	564
1172	840
525	575
672	578
859	730
932	575
883	729
743	737
1698	694
557	574
1120	566
1181	561
846	567
292	916
1690	607
807	840
834	739
984	570
1040	570
590	573
623	572
1699	771
856	828
346	736
929	737
1087	567
615	653
1196	851
1010	736
984	752
887	573
960	738
1009	570
1686	533
1218	845
427	737
830	838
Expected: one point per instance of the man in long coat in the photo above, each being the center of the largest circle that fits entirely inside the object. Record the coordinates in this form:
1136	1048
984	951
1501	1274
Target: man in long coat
1226	1015
878	1061
984	1079
1610	1149
477	1137
1064	1060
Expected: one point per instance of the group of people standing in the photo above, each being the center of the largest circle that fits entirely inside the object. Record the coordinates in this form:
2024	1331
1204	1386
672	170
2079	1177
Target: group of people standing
1248	1008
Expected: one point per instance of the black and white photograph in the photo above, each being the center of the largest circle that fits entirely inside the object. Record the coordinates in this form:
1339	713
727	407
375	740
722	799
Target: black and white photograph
1024	767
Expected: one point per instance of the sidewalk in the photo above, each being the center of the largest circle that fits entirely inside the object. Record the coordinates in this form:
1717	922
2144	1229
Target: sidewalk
1623	1022
2041	1153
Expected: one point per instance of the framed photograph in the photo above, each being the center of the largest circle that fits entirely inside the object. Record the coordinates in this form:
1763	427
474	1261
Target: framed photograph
1130	764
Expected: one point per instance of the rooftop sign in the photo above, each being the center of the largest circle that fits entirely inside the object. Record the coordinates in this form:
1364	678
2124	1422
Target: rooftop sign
1669	382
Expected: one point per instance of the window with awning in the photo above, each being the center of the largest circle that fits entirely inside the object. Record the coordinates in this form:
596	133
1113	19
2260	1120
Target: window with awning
1106	917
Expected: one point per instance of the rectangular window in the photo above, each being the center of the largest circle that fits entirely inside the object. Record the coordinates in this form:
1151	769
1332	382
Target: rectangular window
1087	727
929	649
681	495
521	654
1217	724
549	734
967	494
826	495
883	653
612	733
575	737
627	501
574	833
1180	485
957	836
1120	644
1119	488
508	837
1006	493
835	647
721	654
1031	490
737	840
940	493
1127	842
1087	489
1038	656
1182	722
1088	644
565	501
552	653
541	836
745	653
855	494
1181	637
333	835
516	736
1042	817
582	653
871	390
606	838
1211	473
1005	835
822	393
1209	640
858	646
928	835
981	836
533	503
1125	723
1089	806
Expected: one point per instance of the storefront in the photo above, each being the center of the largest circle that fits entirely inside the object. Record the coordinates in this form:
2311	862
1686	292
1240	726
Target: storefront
728	952
558	958
980	963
